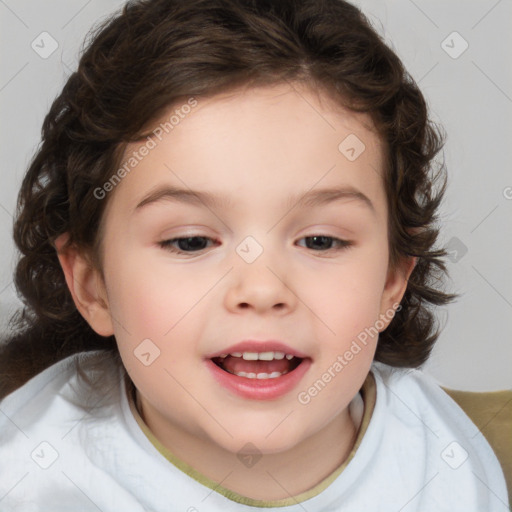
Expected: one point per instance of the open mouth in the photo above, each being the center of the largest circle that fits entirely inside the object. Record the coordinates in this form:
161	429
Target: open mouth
257	365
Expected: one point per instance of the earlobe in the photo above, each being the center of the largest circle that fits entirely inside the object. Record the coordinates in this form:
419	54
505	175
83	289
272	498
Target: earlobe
86	287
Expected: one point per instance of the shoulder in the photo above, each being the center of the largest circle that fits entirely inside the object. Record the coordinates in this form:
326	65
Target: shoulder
64	426
42	386
420	393
31	415
491	412
415	406
59	391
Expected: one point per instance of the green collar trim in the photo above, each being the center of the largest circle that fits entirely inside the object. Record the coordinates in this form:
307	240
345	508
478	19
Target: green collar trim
368	392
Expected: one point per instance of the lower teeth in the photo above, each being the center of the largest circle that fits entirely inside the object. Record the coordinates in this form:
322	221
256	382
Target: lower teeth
273	375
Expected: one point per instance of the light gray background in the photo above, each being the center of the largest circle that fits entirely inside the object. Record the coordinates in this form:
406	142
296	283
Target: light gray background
470	94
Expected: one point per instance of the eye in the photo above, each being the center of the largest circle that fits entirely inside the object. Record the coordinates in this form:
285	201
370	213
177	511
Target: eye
191	244
324	243
186	245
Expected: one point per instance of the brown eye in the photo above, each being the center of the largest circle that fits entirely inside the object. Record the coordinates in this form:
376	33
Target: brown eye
185	245
325	243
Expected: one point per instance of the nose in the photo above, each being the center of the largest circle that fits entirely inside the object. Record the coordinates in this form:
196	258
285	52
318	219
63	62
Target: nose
262	286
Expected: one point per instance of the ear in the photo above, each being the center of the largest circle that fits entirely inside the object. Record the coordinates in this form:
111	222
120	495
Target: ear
394	289
86	286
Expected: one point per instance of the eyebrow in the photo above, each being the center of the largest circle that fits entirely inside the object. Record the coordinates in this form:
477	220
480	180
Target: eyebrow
309	199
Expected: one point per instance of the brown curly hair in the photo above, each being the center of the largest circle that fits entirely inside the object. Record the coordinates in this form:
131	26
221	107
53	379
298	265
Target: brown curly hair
154	53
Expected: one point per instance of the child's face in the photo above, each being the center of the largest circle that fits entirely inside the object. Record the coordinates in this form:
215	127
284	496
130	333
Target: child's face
255	150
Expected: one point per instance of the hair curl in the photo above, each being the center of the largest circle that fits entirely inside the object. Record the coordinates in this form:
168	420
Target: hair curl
154	53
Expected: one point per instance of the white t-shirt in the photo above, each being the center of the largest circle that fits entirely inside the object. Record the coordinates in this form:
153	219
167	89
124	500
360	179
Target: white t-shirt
418	451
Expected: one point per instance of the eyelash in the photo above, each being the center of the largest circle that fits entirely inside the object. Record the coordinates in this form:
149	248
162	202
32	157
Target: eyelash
167	244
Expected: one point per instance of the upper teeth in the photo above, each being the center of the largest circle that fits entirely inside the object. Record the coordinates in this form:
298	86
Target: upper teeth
262	356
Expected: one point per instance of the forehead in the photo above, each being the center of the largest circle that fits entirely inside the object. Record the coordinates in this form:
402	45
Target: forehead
277	139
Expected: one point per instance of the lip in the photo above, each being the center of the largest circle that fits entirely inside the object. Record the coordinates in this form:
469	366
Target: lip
259	346
259	389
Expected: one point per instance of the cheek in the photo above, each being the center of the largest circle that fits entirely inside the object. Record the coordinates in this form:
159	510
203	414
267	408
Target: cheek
348	296
153	312
149	297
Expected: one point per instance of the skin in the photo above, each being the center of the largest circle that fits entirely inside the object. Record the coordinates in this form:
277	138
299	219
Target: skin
257	146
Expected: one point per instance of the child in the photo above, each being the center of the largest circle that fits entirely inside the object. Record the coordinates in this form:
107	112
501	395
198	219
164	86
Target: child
258	368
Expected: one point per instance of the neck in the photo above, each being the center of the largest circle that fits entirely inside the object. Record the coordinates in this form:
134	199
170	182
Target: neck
274	476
